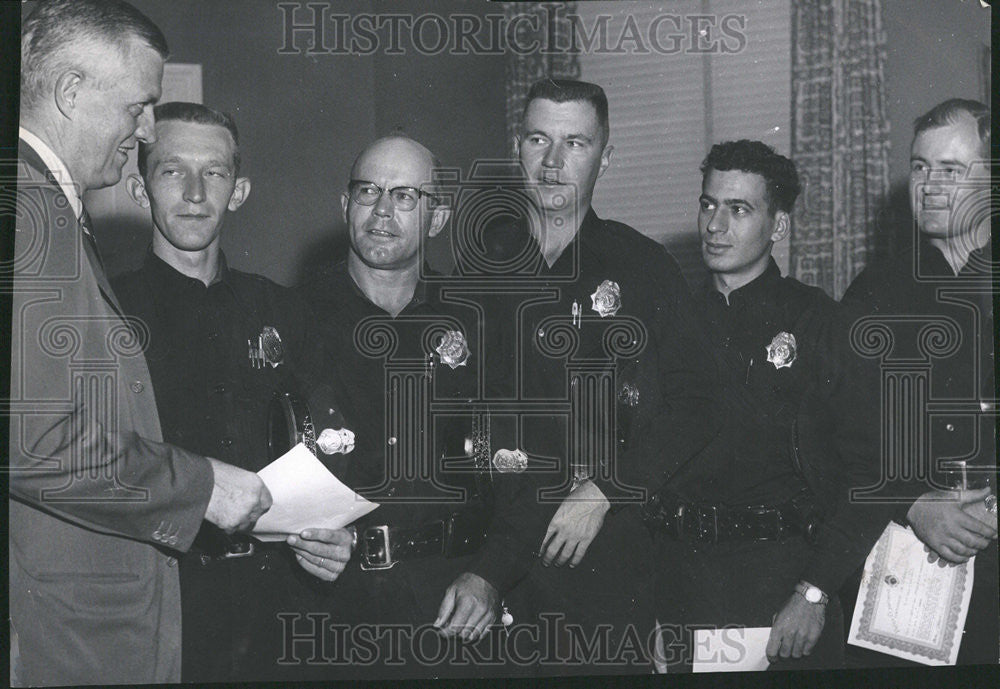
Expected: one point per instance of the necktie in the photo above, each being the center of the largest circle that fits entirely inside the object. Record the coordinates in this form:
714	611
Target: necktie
89	241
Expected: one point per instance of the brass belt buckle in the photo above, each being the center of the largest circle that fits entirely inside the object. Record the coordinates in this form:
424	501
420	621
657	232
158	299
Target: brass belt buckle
376	553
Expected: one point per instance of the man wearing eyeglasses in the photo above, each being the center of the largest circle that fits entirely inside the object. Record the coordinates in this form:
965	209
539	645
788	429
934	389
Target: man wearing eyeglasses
424	576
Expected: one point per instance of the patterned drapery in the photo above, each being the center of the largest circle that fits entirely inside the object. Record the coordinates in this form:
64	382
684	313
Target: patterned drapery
840	137
545	27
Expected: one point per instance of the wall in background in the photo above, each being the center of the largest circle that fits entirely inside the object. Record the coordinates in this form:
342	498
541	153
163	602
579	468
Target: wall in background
304	118
934	52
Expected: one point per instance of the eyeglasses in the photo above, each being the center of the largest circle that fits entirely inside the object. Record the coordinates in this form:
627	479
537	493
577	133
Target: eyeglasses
368	194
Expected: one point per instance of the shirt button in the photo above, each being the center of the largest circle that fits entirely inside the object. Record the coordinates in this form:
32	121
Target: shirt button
171	562
541	333
949	427
137	387
392	440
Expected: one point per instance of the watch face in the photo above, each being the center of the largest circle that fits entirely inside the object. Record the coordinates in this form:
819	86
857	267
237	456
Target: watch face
813	595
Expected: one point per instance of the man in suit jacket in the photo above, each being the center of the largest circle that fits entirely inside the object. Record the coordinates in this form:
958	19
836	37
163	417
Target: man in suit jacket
98	501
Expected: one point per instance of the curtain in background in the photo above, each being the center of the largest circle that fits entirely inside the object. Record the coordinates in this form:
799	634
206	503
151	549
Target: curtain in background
551	59
840	138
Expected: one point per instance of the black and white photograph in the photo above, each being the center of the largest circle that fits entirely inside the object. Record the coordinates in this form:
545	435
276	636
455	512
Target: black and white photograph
597	342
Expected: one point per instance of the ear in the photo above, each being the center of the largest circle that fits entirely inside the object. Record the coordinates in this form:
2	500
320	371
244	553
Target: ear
67	90
782	226
439	218
605	159
517	145
240	193
136	189
345	199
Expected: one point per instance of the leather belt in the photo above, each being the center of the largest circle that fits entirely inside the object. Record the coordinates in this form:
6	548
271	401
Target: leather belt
382	546
706	523
233	548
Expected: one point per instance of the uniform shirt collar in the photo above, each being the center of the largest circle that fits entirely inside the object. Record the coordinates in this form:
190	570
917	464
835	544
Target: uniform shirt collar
58	169
761	289
167	275
340	273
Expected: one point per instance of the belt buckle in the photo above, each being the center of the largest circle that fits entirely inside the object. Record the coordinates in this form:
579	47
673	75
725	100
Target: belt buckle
238	549
760	511
377	556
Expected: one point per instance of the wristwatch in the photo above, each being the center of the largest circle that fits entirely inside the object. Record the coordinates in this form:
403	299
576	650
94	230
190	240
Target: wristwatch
811	593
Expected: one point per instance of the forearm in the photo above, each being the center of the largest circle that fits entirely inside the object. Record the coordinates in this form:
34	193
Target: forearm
115	483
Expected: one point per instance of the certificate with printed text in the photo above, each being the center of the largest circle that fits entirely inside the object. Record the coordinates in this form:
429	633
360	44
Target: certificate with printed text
909	607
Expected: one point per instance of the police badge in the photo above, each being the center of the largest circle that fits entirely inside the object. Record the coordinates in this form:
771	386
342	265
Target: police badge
453	350
606	299
510	461
267	350
782	350
271	346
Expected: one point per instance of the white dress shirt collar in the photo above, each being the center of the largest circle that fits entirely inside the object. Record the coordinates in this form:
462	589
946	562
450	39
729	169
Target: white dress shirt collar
57	168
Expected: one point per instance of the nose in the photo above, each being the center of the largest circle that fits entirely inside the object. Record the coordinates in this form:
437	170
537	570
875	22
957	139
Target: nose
553	156
384	207
145	130
717	221
194	189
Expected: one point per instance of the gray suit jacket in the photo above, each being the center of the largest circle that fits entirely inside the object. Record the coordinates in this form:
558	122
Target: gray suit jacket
97	500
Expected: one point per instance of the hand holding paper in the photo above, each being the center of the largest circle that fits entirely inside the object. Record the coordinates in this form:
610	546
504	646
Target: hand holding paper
322	552
306	496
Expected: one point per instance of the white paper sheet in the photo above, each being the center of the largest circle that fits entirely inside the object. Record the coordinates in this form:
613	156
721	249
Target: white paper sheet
305	495
908	607
734	649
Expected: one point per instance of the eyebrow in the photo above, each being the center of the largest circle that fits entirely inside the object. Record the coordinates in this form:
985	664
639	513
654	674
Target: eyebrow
581	137
728	202
947	161
214	162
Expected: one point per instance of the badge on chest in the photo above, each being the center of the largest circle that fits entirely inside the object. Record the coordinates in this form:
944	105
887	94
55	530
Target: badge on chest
266	348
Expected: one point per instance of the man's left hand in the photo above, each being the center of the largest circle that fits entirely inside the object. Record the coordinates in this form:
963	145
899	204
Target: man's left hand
574	526
322	552
468	608
795	629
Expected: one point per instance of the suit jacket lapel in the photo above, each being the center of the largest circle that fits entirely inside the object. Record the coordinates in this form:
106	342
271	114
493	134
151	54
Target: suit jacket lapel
29	156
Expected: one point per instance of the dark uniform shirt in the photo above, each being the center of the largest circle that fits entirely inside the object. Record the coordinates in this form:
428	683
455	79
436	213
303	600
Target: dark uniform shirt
365	346
623	397
767	452
213	400
411	413
962	370
659	413
960	408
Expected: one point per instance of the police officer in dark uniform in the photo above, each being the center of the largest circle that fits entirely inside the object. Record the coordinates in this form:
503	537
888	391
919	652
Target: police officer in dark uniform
222	345
594	356
759	530
947	278
429	562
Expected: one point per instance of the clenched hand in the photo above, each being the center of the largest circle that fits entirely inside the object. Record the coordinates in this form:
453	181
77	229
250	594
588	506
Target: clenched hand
239	498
